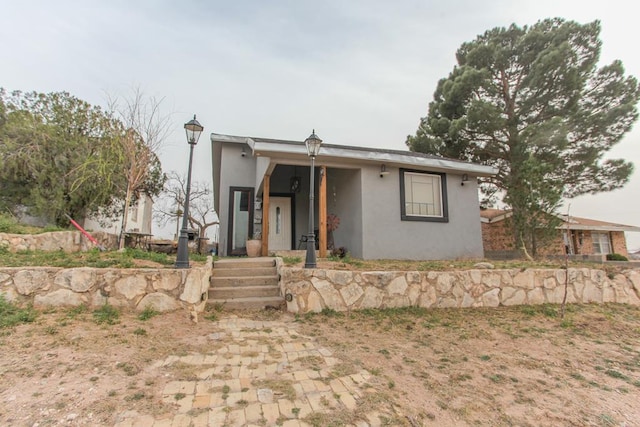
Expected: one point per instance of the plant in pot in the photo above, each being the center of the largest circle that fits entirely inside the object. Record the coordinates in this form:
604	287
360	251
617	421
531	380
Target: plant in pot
254	246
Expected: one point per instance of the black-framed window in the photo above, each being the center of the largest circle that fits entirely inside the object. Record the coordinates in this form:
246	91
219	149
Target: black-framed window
423	196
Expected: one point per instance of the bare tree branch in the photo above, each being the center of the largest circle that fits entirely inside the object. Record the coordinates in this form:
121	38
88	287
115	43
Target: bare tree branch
201	212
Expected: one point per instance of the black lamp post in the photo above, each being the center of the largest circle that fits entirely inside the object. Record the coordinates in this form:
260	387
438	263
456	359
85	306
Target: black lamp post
313	147
193	130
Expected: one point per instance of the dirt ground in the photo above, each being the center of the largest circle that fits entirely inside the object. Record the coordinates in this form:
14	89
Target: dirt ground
518	366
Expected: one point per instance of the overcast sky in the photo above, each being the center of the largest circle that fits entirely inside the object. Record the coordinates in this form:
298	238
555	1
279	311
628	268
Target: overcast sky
359	72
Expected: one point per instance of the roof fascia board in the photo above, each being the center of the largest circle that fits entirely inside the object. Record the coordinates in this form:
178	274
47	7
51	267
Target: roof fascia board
341	154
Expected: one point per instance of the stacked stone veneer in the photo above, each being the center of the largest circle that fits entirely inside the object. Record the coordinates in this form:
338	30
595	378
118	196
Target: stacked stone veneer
67	241
135	288
313	290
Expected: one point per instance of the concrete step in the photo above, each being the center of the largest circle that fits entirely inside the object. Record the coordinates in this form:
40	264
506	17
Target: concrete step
251	303
243	292
245	263
242	281
243	271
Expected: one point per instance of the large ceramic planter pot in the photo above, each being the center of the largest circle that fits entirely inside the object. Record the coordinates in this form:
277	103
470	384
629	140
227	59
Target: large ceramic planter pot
254	248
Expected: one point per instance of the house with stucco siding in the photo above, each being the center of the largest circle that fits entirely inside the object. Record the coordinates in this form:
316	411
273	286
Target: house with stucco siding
390	204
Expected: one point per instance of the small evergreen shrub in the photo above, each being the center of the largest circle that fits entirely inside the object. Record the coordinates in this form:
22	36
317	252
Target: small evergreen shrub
106	314
616	257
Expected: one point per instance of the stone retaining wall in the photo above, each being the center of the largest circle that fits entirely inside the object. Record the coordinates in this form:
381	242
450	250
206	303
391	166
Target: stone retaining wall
134	288
313	289
67	241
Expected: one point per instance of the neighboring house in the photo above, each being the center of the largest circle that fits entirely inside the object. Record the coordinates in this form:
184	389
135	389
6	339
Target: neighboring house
576	236
138	221
390	204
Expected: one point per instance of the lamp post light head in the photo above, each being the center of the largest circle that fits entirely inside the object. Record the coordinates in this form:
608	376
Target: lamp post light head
313	144
193	129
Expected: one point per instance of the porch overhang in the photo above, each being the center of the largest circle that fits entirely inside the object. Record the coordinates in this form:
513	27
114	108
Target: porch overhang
272	152
295	153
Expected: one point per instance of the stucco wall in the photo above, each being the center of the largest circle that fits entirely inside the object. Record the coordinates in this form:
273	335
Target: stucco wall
67	241
313	290
344	198
235	171
164	289
387	236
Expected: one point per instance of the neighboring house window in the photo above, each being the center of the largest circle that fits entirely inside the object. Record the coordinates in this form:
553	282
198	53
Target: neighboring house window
601	243
423	196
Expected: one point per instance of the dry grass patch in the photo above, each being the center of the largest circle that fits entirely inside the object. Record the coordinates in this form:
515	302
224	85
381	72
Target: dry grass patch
504	366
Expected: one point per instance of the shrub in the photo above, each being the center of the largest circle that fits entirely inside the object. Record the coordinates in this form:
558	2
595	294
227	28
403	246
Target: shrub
148	313
106	314
616	257
7	223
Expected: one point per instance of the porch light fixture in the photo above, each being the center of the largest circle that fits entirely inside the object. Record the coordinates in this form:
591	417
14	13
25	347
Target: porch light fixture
193	130
383	171
465	178
313	148
244	152
294	184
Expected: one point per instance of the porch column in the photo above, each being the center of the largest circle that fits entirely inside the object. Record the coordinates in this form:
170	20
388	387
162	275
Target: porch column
322	210
265	215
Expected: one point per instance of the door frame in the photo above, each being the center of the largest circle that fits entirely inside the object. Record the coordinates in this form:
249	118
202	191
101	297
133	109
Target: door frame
232	190
291	196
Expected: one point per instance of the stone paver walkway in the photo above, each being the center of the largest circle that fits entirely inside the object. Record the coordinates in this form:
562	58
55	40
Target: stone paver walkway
259	373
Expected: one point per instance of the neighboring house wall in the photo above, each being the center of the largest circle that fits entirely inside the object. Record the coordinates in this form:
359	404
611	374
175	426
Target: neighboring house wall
619	243
139	219
497	237
552	245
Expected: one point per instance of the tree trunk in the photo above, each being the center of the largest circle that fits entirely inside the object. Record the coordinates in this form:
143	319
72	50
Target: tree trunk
125	217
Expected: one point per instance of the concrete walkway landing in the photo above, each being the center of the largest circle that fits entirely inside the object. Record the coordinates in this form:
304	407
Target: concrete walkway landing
259	373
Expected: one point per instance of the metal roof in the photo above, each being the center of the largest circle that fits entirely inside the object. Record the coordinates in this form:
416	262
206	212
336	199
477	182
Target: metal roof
298	150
